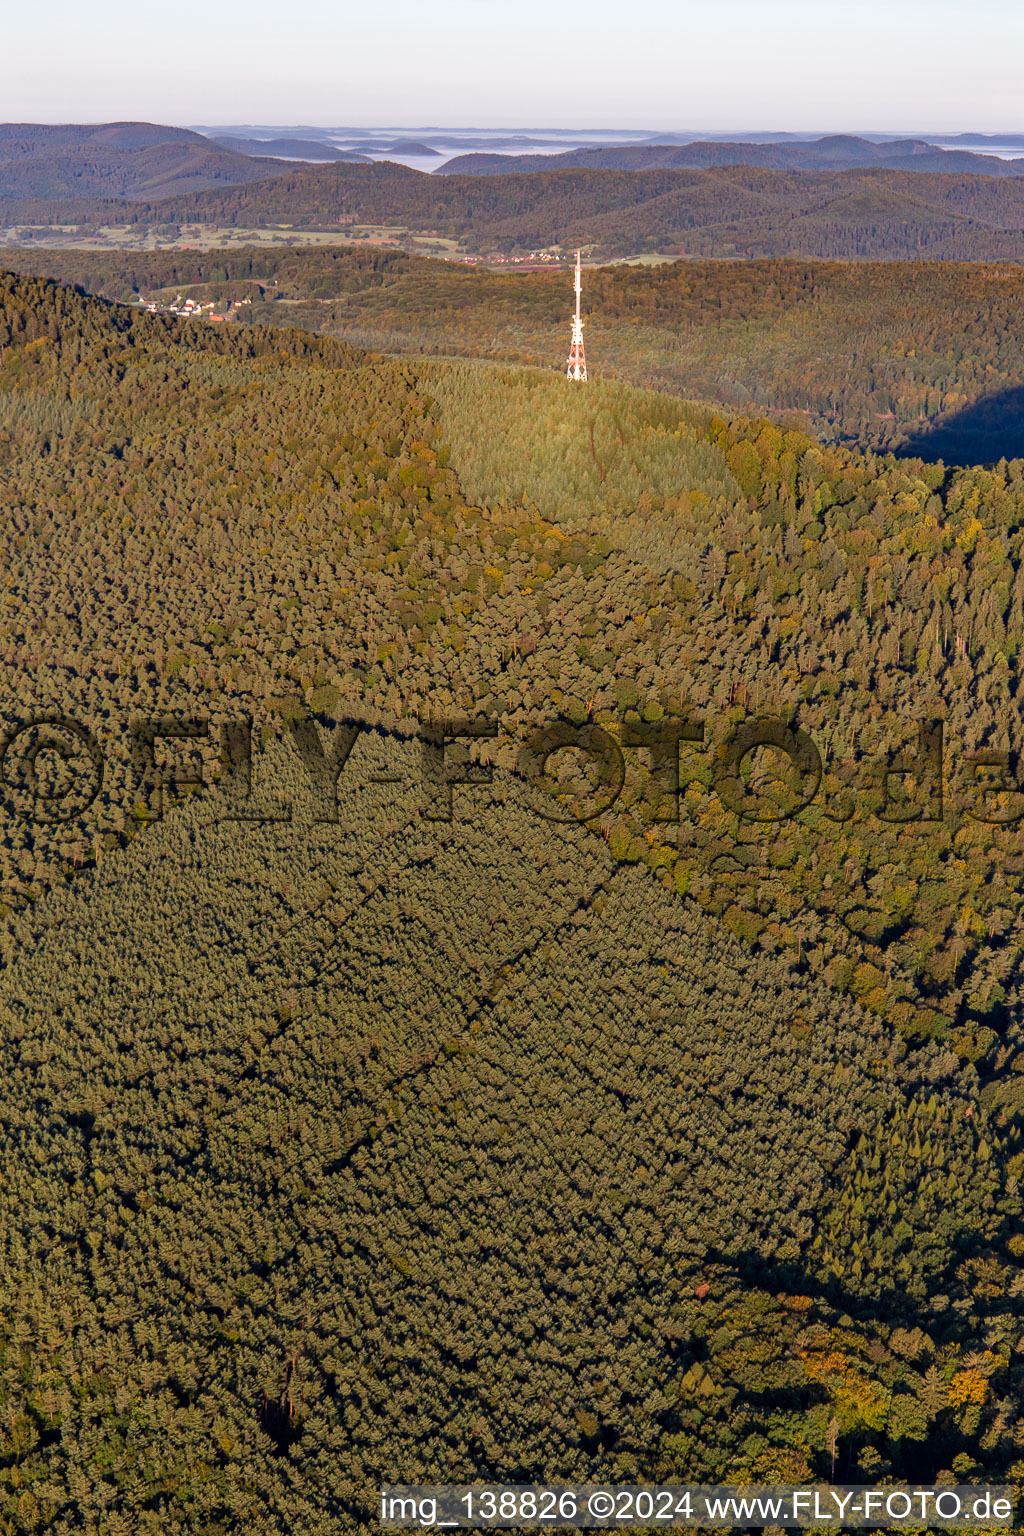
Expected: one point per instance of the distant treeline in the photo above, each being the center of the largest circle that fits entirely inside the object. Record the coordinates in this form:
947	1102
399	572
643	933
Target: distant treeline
720	211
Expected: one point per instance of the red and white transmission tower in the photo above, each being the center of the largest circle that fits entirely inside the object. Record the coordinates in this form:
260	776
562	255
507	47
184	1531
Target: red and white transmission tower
576	368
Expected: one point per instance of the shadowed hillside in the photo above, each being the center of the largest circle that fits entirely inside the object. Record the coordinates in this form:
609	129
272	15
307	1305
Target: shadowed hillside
989	429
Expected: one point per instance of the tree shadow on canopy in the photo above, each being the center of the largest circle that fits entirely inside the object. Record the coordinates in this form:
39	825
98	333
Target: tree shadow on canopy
983	432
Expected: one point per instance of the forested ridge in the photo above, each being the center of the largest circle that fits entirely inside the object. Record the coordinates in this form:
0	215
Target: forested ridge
923	356
735	210
392	1146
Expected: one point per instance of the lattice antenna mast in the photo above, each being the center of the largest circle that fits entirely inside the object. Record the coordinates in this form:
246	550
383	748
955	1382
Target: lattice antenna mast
576	367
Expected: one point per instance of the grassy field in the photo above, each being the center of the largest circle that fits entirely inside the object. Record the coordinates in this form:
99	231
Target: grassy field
212	237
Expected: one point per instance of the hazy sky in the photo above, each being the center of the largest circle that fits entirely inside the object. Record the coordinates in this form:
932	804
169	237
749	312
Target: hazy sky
670	64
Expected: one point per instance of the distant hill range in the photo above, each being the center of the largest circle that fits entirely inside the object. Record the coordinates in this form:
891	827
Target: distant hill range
116	160
398	147
289	149
838	152
29	138
1007	139
144	174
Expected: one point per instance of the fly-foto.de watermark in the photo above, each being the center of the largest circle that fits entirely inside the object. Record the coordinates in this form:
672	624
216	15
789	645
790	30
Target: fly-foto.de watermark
590	1506
52	769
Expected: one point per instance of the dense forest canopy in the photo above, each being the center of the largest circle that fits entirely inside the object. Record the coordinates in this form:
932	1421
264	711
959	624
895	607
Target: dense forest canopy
340	1137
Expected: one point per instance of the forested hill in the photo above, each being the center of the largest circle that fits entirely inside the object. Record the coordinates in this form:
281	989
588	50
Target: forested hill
29	138
341	1135
288	149
61	164
796	340
733	210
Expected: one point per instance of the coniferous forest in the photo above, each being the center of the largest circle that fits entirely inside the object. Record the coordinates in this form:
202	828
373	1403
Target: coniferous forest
510	894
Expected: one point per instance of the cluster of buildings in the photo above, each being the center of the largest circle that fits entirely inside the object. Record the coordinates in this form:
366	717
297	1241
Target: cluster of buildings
190	309
531	258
